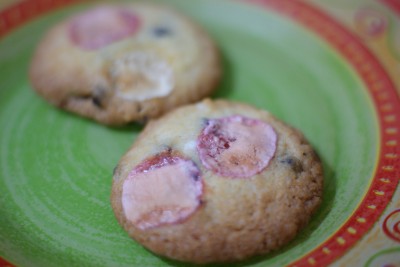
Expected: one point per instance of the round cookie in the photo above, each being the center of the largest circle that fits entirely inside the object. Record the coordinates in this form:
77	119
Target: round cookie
119	63
216	181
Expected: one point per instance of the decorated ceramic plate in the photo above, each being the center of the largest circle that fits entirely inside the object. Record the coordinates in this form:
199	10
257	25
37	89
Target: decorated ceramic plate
330	69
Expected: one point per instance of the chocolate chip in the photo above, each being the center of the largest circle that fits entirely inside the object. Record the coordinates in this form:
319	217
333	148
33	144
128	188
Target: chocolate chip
161	31
98	96
196	176
143	120
293	162
97	101
139	108
168	150
115	170
205	122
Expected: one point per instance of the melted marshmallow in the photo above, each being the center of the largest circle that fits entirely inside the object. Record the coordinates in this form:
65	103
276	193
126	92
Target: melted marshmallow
236	146
102	26
161	191
142	75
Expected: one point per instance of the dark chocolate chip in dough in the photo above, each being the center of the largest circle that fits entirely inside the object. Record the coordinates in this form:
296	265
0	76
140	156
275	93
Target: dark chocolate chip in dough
96	101
162	31
99	96
293	162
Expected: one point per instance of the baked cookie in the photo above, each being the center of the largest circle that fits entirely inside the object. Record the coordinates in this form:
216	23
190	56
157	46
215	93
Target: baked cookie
216	181
125	62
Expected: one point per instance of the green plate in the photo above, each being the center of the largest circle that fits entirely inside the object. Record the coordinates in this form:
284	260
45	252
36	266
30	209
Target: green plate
56	168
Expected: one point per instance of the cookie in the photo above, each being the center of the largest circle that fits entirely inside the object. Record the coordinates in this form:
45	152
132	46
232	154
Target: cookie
119	63
216	181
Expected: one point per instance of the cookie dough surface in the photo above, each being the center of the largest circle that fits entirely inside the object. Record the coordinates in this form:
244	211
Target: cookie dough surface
119	63
236	216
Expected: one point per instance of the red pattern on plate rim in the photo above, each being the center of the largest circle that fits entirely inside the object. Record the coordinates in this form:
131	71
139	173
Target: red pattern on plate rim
392	4
380	88
391	225
4	263
22	12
